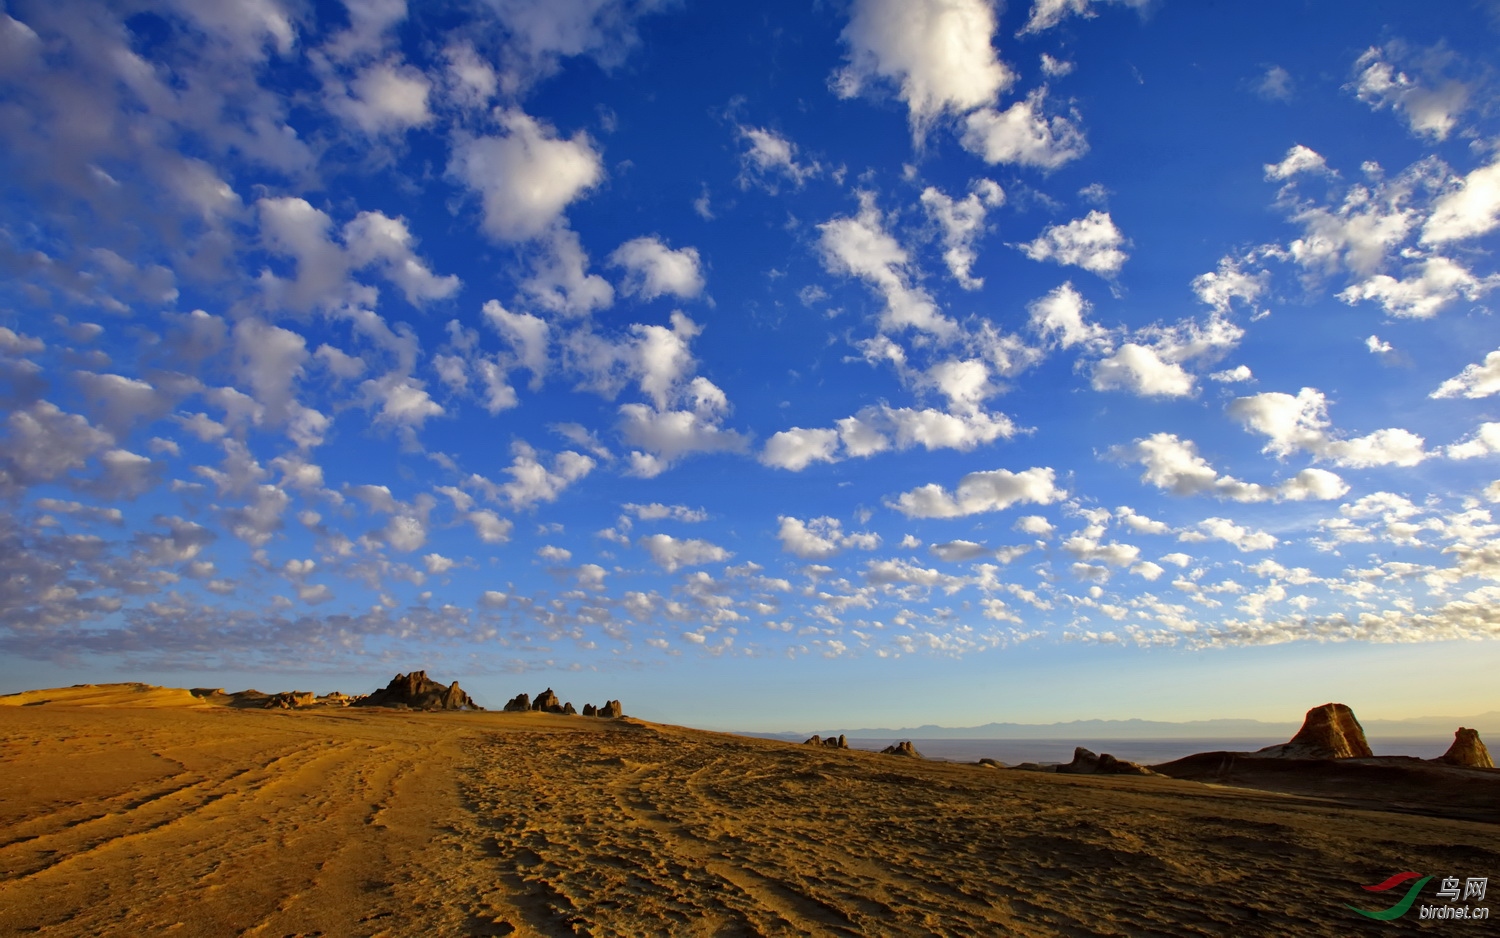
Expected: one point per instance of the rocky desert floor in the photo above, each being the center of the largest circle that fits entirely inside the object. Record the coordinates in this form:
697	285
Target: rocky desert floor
150	813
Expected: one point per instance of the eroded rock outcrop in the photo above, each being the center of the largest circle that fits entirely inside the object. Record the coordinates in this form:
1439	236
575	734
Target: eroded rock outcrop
569	710
589	710
1087	763
903	748
547	702
418	692
831	742
1468	750
521	703
291	700
1328	732
611	710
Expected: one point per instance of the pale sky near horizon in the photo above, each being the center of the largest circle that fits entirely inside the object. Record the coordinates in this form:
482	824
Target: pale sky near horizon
770	365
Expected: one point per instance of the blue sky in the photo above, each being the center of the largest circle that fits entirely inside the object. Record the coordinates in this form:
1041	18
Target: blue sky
779	364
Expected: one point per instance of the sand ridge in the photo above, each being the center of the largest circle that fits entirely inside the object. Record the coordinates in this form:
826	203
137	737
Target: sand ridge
207	820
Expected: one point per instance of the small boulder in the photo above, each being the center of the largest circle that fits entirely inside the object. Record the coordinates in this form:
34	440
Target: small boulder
991	763
903	748
612	710
816	740
521	703
1468	750
1328	732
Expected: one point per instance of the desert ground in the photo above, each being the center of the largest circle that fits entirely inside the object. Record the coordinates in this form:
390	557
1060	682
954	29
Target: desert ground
138	811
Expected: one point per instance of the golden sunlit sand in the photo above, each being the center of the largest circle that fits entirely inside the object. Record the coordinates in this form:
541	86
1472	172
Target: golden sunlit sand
132	810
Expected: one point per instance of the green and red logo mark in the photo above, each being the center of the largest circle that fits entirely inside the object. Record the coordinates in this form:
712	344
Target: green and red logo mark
1400	908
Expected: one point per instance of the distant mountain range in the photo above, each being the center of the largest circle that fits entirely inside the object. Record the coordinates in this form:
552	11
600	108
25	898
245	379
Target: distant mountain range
1488	725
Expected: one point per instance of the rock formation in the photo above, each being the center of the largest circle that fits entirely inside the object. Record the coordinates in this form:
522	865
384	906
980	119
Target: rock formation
829	743
1328	732
991	763
611	710
589	710
291	700
904	748
418	692
1086	763
1467	749
547	702
521	703
569	710
207	691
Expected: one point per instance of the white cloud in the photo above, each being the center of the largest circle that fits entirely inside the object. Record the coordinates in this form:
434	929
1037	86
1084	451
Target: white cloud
1275	84
560	281
769	155
1090	550
531	482
269	359
528	177
1301	423
375	238
665	436
291	227
470	81
540	35
1225	530
960	551
554	554
1429	111
1236	375
384	98
937	52
962	223
1468	211
671	553
1034	525
490	527
980	492
654	270
530	338
878	428
1484	441
1092	242
1060	315
1475	381
1218	288
1298	159
1141	371
1377	346
797	448
656	511
1046	14
820	538
1173	464
1056	68
1023	134
860	247
1437	282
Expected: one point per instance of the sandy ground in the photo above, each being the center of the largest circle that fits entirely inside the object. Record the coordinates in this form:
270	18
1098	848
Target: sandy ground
144	813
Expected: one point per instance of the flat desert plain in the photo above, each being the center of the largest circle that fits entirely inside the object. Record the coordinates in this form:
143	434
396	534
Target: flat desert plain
134	811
